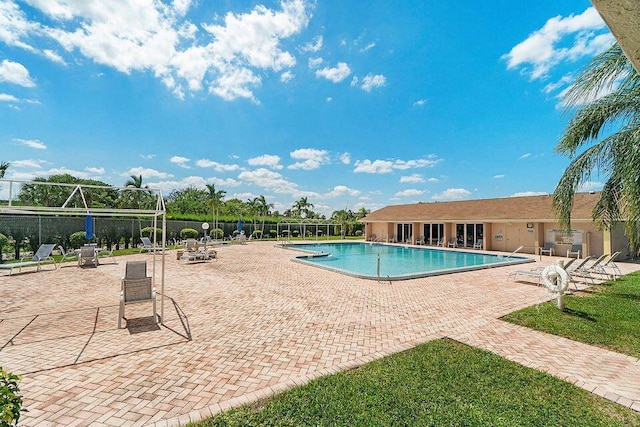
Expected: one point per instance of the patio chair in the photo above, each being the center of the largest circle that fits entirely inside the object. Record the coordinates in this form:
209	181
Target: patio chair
191	245
88	255
107	253
548	249
609	264
393	239
453	242
67	256
42	255
575	250
136	287
420	241
440	242
148	246
478	244
372	238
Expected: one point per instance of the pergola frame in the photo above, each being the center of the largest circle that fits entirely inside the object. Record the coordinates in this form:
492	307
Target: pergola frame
159	212
303	223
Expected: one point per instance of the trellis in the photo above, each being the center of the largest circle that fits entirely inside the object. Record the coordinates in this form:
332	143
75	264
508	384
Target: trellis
79	189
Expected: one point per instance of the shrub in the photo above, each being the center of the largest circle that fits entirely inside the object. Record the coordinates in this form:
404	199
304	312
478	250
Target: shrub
235	233
273	234
10	399
148	232
189	233
257	234
3	242
78	239
216	233
358	233
285	233
295	233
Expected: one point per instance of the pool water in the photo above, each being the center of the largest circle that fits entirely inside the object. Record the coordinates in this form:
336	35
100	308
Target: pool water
396	262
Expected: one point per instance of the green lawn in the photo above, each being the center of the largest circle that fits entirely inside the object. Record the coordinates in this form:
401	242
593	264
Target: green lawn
439	383
606	315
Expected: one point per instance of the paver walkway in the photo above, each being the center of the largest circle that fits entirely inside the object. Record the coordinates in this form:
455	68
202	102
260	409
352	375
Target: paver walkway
251	324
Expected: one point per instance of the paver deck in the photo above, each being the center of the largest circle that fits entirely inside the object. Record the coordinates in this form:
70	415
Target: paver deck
251	324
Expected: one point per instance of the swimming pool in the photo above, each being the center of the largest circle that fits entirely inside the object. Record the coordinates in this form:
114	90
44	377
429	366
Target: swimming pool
396	262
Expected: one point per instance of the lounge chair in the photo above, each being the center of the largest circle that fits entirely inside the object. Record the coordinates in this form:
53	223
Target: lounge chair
548	249
536	272
42	255
420	241
190	245
440	242
609	264
453	242
136	287
88	255
67	256
582	270
478	244
104	253
393	239
148	246
372	238
575	250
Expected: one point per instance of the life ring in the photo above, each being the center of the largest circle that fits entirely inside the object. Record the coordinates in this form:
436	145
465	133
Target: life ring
555	278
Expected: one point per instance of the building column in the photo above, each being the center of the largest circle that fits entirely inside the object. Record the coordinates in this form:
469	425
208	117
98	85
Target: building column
417	232
607	242
486	236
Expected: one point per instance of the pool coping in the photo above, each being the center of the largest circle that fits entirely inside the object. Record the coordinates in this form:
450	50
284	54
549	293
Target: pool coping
303	259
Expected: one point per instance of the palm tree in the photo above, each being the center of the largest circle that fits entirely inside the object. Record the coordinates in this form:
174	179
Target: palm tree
215	199
264	208
362	212
593	147
302	206
3	168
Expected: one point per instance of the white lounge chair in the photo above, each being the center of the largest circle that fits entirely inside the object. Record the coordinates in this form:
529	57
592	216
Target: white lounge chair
609	264
67	256
148	246
440	242
42	255
136	287
88	255
478	244
548	249
453	242
575	250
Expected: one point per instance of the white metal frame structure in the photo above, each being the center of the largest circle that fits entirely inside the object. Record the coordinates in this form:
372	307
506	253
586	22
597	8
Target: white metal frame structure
159	211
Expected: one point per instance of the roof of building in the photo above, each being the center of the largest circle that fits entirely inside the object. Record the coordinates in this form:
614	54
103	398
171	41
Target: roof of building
528	209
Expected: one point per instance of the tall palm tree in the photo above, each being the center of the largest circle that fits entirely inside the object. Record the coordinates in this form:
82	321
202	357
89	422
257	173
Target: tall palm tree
604	137
215	199
302	206
362	212
3	168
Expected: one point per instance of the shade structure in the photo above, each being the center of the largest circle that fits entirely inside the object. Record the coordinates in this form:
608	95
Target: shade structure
240	225
88	227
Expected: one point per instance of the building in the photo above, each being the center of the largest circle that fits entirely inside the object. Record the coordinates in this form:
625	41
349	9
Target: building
502	224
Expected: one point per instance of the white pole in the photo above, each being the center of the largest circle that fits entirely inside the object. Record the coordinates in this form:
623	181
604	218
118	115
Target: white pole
561	293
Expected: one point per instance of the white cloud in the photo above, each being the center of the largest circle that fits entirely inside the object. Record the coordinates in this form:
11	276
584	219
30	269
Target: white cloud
377	166
309	158
27	163
529	193
564	80
336	74
94	170
269	160
525	156
419	102
372	81
219	167
5	97
147	156
16	73
541	51
590	186
286	76
452	194
53	56
314	46
345	158
329	99
146	173
170	185
498	176
433	179
244	196
32	143
387	166
342	190
412	179
367	47
227	182
409	192
227	58
180	161
315	62
274	181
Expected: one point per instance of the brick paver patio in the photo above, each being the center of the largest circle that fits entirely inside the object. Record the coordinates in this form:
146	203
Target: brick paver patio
251	324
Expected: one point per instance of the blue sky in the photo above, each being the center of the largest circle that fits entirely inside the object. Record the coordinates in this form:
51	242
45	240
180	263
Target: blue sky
348	103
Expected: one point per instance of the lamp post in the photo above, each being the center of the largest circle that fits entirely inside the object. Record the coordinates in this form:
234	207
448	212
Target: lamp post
205	227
